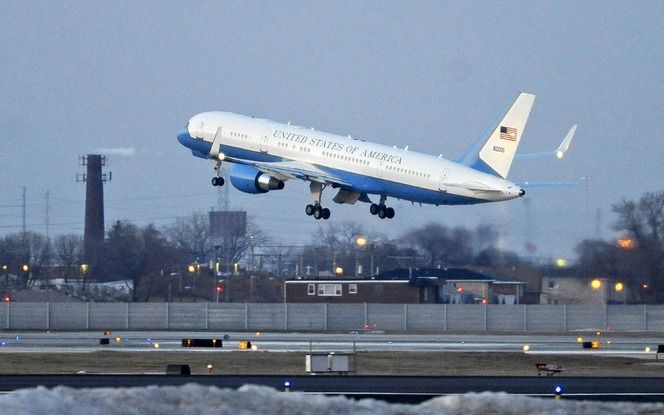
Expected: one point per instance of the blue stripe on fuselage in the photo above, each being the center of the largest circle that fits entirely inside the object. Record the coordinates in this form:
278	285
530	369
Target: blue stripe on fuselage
373	185
361	183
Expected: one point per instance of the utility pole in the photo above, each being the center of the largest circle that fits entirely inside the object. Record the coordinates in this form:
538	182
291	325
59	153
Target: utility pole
24	228
48	197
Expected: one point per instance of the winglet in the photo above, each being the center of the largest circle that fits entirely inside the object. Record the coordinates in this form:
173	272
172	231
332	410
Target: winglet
564	146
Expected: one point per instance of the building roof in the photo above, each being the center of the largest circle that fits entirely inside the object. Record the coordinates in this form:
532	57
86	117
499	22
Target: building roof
426	276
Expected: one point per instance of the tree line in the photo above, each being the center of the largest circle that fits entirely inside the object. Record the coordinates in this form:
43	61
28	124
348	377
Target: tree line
152	257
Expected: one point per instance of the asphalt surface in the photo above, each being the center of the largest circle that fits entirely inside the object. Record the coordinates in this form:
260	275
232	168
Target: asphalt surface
632	345
391	388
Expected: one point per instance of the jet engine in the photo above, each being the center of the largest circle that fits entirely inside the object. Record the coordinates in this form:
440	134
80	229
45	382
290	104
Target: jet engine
250	180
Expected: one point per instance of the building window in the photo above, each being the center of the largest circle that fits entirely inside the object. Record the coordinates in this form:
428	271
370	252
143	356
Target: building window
553	284
329	289
311	289
352	288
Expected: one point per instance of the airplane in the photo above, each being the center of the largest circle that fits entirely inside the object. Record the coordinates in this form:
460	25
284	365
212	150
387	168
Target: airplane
266	154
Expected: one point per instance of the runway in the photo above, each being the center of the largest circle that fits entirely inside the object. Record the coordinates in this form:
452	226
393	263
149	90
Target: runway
631	345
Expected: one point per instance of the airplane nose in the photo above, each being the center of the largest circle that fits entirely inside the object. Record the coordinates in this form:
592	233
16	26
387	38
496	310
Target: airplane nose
184	137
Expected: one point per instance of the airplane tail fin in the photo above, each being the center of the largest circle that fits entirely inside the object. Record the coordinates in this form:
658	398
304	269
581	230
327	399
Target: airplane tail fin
499	146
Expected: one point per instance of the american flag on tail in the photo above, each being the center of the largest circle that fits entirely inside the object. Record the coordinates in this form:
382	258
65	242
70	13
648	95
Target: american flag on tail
508	133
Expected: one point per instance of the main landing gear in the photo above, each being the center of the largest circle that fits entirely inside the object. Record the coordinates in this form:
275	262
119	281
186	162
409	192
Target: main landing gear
381	210
218	181
317	211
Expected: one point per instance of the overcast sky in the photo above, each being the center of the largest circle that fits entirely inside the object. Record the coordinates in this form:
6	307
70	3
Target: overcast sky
79	76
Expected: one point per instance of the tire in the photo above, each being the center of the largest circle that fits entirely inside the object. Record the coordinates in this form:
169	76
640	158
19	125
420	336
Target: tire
373	209
318	212
389	212
309	210
326	213
214	181
382	213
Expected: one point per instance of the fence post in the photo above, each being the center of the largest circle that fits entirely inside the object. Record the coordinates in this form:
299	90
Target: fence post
366	315
405	317
207	316
8	311
444	317
564	317
286	316
486	324
645	317
87	315
525	317
325	315
168	319
48	315
246	316
127	316
606	317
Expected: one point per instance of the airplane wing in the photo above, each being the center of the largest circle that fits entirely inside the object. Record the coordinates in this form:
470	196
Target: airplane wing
286	170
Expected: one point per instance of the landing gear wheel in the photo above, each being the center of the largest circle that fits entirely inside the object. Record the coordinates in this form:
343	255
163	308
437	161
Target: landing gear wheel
318	212
373	209
217	181
381	212
325	213
389	212
309	210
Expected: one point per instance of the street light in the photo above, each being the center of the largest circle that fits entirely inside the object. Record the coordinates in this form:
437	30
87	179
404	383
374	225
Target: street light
361	240
596	284
619	287
561	262
626	243
338	271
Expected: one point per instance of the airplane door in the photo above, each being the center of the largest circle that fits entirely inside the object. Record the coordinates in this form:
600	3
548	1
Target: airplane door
264	141
441	183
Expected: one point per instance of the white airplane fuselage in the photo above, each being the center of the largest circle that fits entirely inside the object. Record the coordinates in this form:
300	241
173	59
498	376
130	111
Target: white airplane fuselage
356	167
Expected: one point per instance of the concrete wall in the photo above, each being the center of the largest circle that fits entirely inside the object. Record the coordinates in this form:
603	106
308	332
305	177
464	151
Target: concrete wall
322	317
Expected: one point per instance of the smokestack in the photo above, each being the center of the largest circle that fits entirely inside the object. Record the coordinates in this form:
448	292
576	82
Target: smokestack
94	204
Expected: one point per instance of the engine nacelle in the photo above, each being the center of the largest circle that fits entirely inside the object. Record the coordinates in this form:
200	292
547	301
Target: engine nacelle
249	180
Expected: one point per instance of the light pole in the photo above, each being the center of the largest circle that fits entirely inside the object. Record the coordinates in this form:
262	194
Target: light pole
360	242
251	242
5	270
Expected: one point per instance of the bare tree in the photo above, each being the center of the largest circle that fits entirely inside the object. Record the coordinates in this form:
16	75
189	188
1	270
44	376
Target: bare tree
644	222
69	251
441	245
191	234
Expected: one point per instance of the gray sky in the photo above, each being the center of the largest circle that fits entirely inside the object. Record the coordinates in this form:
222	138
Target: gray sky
79	76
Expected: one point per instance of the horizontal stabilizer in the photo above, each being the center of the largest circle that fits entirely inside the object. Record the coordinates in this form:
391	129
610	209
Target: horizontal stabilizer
559	153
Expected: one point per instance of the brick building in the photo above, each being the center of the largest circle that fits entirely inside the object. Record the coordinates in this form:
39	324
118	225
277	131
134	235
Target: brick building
414	286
